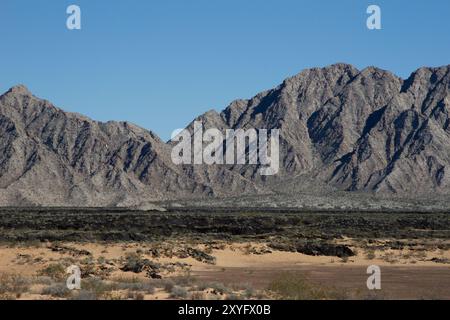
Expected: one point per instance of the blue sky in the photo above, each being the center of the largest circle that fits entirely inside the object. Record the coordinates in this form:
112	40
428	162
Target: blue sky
161	63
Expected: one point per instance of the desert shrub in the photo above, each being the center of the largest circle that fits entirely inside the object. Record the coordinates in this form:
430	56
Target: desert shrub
146	287
44	280
261	295
97	286
201	256
249	293
241	286
197	296
58	290
390	259
168	285
7	297
33	243
133	263
13	284
220	288
247	249
203	286
371	255
233	297
23	259
127	279
183	281
101	260
84	295
135	296
55	271
178	293
294	286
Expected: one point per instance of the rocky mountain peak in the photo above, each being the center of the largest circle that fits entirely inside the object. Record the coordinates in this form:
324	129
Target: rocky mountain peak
19	89
341	129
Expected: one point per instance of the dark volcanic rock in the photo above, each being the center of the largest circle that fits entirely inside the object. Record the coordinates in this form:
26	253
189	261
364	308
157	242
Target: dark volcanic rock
137	265
325	249
201	256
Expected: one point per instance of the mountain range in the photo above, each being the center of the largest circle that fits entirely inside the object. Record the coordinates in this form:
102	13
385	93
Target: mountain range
341	130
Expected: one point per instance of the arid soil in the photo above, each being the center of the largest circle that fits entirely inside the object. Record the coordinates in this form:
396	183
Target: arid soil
191	255
238	271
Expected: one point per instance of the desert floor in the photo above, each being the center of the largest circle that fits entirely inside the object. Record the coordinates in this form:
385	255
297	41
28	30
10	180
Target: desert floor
179	270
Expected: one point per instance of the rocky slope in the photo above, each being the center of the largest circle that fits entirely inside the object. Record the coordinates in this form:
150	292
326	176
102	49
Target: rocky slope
51	157
340	129
353	130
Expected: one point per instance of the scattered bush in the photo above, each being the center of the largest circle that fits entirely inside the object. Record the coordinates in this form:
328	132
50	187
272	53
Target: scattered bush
135	296
13	284
44	280
294	286
178	293
54	271
97	286
168	285
146	287
184	281
133	263
197	296
219	288
58	290
84	295
249	293
370	255
233	297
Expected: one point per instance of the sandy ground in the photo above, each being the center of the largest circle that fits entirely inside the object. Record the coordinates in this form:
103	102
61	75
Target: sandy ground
405	274
233	256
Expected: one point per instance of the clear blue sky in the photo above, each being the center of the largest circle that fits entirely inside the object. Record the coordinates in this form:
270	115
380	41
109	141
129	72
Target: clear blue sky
161	63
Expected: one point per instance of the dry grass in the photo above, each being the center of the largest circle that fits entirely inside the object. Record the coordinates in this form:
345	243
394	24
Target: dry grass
13	286
294	286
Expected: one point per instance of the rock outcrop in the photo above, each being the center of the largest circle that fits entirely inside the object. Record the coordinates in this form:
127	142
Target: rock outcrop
340	129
